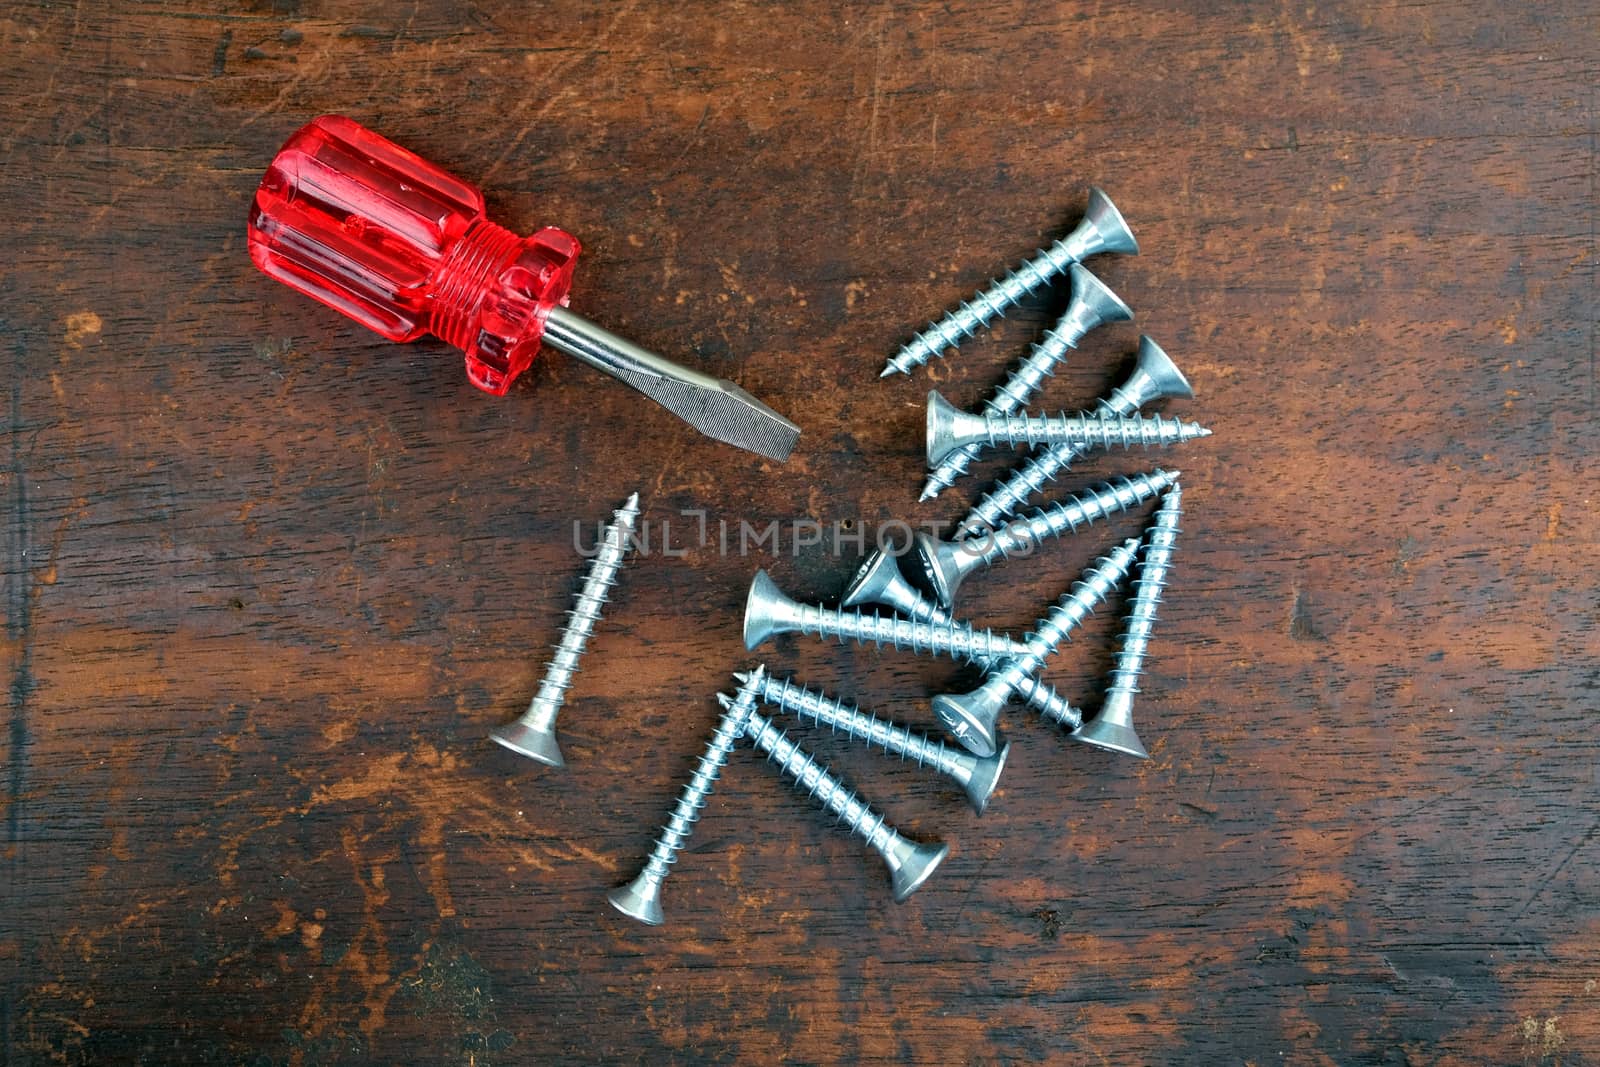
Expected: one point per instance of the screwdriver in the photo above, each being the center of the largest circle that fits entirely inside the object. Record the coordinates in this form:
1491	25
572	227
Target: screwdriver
372	230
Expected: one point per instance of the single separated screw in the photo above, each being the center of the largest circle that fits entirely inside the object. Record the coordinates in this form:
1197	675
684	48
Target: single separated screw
976	776
768	612
909	862
641	898
1113	727
1102	229
1154	377
982	706
949	428
947	563
1093	303
879	581
534	733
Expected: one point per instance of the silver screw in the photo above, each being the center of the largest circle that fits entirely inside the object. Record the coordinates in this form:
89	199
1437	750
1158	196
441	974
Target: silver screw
1154	377
948	563
1093	303
949	428
1113	727
879	581
909	862
768	612
641	898
1101	230
982	706
534	733
976	776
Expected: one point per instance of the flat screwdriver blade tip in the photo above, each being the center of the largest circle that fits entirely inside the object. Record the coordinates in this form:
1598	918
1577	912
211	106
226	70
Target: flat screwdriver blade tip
716	407
726	413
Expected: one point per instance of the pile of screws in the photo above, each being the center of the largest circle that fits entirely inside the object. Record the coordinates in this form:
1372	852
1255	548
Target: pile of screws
920	620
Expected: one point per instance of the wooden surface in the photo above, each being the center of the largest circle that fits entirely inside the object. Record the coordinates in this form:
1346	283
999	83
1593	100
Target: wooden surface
269	581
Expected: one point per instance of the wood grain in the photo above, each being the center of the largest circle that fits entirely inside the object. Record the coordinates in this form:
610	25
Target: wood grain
269	581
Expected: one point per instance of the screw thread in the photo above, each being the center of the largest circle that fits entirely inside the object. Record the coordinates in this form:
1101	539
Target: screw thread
1067	516
1031	690
1021	484
1160	542
1047	702
585	612
1097	583
1069	719
686	812
968	317
950	638
1011	395
1090	431
865	727
813	779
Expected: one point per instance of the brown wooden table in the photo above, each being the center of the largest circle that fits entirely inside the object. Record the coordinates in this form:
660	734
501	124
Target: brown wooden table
269	580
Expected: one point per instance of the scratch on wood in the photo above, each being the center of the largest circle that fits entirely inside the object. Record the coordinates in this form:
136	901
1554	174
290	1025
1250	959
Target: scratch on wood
552	74
19	628
219	58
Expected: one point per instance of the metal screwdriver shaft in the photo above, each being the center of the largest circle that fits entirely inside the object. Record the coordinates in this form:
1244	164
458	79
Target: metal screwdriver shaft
715	407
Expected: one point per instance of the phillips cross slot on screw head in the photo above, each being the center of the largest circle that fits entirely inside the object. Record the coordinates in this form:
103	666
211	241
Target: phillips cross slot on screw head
401	246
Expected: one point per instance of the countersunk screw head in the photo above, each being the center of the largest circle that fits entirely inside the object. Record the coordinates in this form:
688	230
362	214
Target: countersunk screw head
532	738
975	717
1157	377
639	899
763	606
1111	232
939	565
876	581
986	778
910	864
1113	728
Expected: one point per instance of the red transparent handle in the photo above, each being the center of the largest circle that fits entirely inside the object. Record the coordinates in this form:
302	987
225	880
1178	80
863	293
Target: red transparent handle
354	220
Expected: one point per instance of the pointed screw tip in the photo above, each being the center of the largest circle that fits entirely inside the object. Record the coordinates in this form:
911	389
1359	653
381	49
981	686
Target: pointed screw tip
888	370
